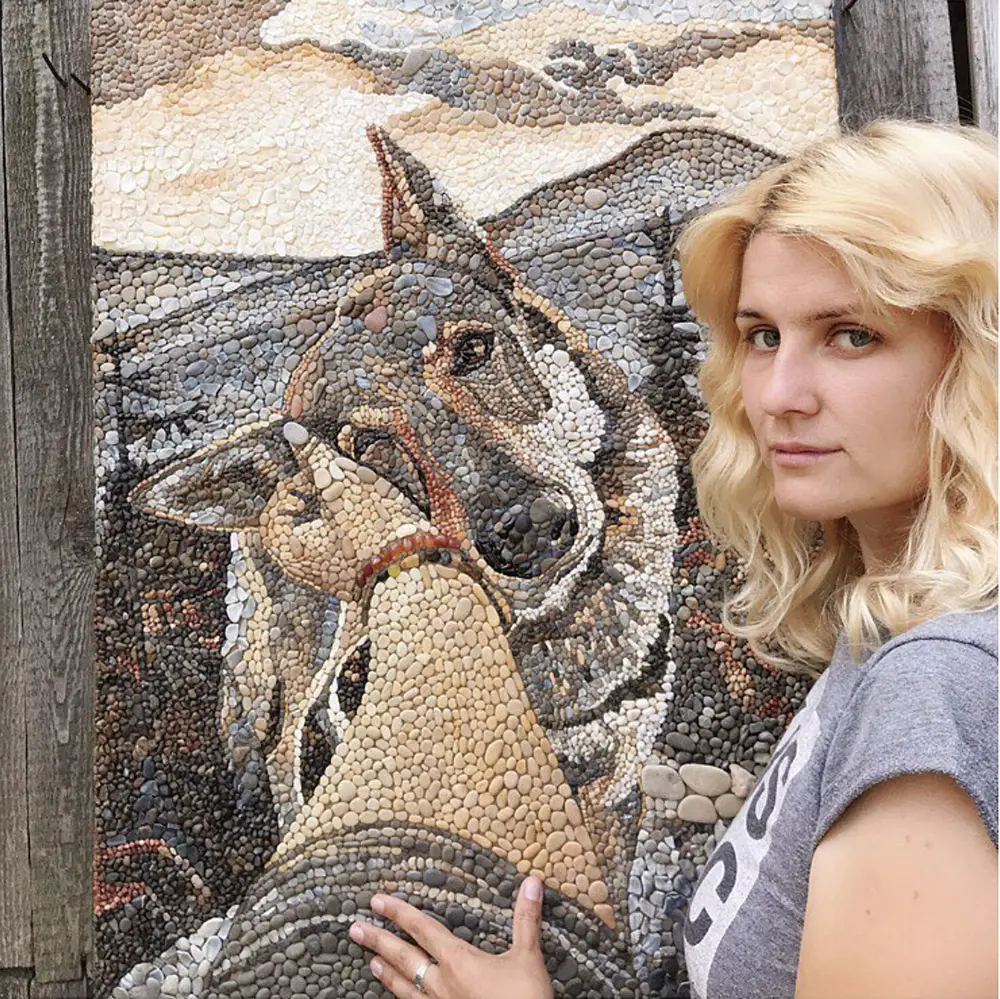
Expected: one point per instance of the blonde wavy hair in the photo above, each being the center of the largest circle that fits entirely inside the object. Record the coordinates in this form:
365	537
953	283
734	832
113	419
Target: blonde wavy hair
910	209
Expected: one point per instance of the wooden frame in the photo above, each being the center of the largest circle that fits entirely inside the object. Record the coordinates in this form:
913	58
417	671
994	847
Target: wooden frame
47	491
46	426
898	59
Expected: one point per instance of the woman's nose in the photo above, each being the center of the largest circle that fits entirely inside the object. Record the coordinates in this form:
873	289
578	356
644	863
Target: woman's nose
789	384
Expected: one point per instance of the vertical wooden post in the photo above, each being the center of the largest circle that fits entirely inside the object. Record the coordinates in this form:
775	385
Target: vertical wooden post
15	875
46	491
982	20
894	59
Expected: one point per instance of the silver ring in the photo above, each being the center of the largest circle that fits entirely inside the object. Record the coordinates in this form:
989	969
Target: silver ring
418	978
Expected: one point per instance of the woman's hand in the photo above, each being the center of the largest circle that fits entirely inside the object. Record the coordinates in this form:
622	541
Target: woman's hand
455	969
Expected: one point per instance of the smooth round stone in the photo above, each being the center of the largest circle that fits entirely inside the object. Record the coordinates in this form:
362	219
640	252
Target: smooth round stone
742	780
660	781
598	892
727	805
697	808
594	197
439	285
678	740
706	780
376	319
295	433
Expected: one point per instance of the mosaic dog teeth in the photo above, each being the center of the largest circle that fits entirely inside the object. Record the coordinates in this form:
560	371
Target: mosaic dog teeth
402	584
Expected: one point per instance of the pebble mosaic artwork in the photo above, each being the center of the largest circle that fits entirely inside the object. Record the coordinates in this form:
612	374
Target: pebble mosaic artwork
402	585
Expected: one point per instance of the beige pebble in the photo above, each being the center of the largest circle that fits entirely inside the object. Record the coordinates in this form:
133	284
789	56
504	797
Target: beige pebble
333	492
598	892
663	782
742	780
727	805
706	780
697	808
555	841
573	813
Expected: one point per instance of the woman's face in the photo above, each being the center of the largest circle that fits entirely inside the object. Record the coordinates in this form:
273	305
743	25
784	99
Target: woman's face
836	399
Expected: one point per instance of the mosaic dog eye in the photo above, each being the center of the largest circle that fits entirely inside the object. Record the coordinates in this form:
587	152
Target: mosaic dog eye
365	438
471	350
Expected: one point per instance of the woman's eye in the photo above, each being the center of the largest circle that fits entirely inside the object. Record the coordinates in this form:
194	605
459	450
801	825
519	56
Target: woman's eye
471	351
763	339
854	339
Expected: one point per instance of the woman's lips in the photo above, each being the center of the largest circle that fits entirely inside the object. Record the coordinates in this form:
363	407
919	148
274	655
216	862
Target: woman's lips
800	457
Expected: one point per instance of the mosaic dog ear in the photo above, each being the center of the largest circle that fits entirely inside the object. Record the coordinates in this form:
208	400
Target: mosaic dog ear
417	214
223	486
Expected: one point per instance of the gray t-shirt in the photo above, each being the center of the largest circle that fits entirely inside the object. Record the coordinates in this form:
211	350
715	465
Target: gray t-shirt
926	701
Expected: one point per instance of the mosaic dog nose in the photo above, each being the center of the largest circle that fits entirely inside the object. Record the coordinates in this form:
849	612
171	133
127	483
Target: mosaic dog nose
528	540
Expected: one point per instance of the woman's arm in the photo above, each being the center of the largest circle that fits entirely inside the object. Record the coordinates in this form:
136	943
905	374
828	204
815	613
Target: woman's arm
903	898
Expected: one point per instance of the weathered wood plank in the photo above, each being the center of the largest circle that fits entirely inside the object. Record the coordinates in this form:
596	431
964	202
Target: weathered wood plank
59	990
45	43
894	60
983	23
15	874
17	984
14	983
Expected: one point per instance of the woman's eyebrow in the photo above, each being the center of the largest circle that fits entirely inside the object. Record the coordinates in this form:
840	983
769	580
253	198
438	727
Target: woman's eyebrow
836	312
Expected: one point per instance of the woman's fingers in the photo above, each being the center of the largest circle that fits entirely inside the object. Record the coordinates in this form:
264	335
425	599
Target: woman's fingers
396	952
528	916
396	963
393	979
429	934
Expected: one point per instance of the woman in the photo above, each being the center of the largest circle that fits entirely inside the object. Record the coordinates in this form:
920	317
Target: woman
851	299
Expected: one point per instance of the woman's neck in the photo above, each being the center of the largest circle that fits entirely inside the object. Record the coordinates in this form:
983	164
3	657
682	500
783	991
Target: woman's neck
882	536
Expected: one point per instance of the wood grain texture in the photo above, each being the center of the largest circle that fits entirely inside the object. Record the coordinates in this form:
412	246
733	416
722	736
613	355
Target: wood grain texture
17	983
894	59
46	129
59	990
15	874
14	983
983	25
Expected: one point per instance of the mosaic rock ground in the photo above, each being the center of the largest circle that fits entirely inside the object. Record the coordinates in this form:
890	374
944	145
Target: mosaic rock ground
402	583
